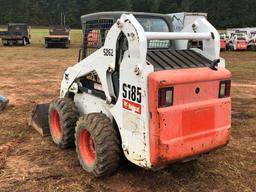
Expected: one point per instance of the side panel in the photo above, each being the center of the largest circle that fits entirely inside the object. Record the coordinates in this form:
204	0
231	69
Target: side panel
178	21
131	109
131	113
87	103
192	18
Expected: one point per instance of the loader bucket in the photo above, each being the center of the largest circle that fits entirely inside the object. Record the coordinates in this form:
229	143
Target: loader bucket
39	119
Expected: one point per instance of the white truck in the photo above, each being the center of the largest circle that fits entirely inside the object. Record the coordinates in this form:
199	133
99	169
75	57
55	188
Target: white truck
252	40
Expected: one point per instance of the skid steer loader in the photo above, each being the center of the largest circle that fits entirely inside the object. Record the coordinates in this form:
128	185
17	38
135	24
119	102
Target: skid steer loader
138	90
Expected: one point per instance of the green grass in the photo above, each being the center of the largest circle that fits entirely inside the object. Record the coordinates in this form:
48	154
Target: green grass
242	65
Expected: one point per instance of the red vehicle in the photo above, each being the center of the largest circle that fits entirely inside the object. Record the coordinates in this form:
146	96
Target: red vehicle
224	42
238	42
241	44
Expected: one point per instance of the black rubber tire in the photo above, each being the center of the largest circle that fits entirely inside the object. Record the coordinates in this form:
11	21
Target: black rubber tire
68	115
5	44
105	142
66	45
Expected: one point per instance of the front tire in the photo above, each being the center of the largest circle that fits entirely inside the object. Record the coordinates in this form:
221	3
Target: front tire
46	45
63	116
67	45
24	41
97	144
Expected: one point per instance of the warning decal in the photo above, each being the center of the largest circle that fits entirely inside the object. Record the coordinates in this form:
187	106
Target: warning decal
131	106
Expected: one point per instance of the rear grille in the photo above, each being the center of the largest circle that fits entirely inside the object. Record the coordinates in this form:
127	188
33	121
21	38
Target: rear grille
176	59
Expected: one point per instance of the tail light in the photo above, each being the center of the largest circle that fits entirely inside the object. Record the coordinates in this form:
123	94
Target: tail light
165	97
224	90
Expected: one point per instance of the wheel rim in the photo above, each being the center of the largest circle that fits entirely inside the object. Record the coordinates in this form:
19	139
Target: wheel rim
55	124
86	147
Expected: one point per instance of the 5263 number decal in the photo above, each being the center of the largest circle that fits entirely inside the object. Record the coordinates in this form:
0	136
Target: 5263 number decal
132	93
108	52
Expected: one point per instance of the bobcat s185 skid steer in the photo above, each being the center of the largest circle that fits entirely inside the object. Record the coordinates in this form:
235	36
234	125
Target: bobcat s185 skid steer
139	90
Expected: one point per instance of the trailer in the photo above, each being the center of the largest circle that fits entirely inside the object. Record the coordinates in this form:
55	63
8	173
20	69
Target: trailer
59	37
224	42
17	34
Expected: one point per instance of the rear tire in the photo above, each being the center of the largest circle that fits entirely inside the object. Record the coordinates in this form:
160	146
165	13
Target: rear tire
63	116
97	144
4	44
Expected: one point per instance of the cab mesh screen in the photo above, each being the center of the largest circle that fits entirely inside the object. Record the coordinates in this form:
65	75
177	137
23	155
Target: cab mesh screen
95	34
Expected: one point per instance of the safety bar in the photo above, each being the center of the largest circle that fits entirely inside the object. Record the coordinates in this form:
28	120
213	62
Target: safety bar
178	36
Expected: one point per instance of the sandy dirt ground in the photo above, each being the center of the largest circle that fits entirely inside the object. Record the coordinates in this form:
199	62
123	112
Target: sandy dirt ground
29	162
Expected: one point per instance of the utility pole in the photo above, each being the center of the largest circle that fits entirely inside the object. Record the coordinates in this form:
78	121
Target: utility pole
61	18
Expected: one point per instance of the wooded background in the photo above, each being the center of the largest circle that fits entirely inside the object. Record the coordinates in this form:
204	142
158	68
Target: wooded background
222	13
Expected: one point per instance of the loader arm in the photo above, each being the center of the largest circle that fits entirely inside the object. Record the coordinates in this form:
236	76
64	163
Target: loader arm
103	61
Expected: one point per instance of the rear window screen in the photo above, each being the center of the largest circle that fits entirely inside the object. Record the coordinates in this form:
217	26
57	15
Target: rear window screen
155	25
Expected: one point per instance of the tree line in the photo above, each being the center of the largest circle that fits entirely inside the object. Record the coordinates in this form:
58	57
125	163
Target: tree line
222	14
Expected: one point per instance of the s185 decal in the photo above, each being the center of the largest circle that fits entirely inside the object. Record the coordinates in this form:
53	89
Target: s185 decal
132	93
